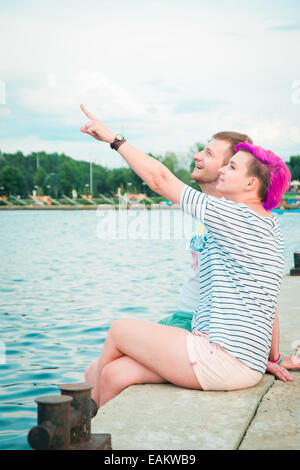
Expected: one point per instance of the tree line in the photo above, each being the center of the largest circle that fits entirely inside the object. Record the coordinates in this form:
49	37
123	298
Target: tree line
56	174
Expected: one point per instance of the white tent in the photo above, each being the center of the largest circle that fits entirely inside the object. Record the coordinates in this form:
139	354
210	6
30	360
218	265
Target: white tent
295	183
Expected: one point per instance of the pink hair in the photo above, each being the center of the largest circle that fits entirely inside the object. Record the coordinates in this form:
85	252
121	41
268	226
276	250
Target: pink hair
280	175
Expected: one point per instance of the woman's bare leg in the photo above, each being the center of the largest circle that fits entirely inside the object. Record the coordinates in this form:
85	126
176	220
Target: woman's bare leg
90	372
118	375
159	348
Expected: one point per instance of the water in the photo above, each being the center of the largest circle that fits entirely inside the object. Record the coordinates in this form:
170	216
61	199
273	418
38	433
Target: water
62	286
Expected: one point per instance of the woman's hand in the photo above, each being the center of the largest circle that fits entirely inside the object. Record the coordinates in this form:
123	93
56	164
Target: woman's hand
96	128
280	372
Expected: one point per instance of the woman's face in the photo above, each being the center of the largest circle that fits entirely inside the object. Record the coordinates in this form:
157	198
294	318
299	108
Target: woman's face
234	180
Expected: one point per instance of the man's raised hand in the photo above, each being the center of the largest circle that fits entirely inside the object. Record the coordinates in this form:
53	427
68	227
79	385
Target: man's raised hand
96	128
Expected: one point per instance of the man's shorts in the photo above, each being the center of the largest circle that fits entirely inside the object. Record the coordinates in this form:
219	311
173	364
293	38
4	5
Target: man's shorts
179	319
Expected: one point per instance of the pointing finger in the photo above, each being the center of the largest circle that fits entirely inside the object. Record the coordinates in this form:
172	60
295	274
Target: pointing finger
86	112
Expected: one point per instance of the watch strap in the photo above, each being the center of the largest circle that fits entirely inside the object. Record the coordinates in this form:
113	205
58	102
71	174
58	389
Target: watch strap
116	143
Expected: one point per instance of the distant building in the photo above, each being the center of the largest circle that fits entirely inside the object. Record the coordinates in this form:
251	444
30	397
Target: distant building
136	197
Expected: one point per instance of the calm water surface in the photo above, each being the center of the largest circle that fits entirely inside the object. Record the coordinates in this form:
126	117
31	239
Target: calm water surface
62	286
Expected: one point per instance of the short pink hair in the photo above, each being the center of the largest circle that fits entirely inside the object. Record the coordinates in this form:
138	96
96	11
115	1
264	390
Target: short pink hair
280	175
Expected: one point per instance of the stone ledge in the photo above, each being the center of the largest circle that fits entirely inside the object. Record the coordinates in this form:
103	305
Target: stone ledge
277	422
166	417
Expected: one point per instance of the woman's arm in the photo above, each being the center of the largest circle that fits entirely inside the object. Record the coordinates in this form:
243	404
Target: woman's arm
288	362
274	351
155	174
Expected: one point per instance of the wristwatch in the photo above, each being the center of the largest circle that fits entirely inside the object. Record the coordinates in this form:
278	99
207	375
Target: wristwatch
119	140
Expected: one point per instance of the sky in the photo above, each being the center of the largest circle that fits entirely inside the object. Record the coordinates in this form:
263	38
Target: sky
165	73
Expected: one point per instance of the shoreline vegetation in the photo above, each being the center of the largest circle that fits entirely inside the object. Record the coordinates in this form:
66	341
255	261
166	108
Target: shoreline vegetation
121	202
60	176
92	207
99	207
42	181
290	202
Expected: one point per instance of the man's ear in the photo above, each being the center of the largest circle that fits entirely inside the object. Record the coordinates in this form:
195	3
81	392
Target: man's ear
252	184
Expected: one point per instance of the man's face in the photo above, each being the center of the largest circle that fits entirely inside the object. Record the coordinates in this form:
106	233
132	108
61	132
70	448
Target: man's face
210	160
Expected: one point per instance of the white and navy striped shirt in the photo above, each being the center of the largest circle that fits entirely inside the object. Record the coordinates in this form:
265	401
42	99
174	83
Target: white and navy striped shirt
240	276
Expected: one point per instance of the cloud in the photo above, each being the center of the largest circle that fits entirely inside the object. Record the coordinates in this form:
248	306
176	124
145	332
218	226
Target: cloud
275	133
197	106
166	78
295	134
87	150
286	27
61	97
5	111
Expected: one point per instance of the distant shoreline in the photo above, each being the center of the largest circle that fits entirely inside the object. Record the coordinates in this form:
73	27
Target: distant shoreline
110	207
91	207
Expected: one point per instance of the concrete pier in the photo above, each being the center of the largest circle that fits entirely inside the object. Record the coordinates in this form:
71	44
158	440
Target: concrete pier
166	417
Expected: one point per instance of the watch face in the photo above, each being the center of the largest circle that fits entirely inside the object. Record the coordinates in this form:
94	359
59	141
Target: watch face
119	137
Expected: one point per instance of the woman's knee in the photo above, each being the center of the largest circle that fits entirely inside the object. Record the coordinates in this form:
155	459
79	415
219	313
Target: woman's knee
106	376
110	376
123	372
118	325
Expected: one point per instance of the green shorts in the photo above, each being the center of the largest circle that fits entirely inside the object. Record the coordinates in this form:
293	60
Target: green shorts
179	319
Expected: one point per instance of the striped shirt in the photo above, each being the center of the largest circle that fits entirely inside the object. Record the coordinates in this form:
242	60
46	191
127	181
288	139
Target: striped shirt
240	271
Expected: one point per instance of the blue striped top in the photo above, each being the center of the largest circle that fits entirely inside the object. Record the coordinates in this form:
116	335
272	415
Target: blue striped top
240	276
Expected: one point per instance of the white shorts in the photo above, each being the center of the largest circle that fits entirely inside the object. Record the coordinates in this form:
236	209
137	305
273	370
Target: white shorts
215	368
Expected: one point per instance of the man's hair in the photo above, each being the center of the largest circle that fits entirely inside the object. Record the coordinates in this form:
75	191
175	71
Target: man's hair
271	171
234	138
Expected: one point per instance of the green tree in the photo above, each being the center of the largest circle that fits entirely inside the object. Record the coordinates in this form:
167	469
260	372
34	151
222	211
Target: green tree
68	177
171	162
39	177
2	160
16	160
99	179
294	166
52	180
294	160
296	172
184	175
116	178
13	181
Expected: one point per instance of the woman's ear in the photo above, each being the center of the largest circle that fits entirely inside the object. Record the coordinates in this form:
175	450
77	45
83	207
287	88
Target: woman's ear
252	184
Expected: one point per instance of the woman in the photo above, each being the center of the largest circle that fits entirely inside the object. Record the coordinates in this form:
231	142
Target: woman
240	280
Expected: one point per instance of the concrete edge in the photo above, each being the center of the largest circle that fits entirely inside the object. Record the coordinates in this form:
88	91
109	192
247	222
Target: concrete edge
249	412
265	390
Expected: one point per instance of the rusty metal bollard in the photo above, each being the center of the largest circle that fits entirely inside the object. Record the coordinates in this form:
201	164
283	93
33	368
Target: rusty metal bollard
64	421
296	271
52	431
